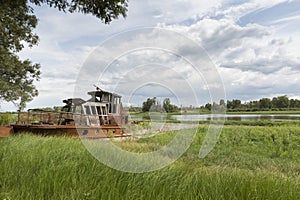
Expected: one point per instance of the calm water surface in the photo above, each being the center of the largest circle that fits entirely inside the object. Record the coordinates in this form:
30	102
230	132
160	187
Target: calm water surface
238	117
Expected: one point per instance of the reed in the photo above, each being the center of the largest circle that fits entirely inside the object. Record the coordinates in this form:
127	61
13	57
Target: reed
248	162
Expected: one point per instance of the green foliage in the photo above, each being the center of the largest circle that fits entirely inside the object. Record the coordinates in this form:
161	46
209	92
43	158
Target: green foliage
17	77
106	10
222	102
149	104
265	103
168	106
234	104
208	106
17	80
279	103
152	105
134	109
276	105
16	25
7	119
294	103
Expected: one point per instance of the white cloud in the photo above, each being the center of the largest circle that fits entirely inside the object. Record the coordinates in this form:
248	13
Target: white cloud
151	56
251	47
287	19
251	85
180	10
254	60
234	11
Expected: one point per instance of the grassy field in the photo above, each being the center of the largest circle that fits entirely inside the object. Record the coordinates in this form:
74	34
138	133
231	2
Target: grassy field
248	162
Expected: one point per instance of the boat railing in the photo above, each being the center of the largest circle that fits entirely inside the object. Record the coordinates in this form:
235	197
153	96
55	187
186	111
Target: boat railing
39	116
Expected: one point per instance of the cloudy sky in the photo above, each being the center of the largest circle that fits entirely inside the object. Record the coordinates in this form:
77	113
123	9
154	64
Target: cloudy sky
251	48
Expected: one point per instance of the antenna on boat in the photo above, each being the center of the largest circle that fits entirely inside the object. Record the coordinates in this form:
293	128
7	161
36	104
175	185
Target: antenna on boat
97	88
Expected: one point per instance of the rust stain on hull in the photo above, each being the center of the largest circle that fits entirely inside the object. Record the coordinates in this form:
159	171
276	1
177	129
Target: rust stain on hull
72	131
5	131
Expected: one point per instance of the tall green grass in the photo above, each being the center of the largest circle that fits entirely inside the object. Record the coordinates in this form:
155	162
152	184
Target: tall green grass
8	118
247	163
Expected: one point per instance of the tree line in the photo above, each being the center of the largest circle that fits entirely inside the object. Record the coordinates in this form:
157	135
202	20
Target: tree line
263	104
153	105
234	105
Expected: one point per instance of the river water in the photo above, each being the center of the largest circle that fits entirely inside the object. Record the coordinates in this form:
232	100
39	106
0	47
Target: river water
161	126
239	117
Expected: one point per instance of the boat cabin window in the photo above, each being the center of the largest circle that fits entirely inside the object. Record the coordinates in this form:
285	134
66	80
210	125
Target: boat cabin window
93	108
87	110
77	109
98	110
116	104
116	100
104	110
105	97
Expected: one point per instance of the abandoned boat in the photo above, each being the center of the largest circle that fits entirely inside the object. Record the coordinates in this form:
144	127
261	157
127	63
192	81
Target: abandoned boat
102	116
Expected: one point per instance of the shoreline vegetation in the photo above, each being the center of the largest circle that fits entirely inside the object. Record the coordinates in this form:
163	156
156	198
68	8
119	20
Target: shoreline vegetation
248	162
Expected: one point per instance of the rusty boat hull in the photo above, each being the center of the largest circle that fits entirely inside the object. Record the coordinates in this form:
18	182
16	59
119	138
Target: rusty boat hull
5	131
71	130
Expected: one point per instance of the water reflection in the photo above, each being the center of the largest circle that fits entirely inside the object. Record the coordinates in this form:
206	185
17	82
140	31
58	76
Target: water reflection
237	117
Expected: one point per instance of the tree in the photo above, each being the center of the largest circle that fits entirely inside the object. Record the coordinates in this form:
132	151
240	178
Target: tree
265	103
208	106
294	103
222	106
168	106
229	104
222	102
234	104
17	80
253	105
17	22
17	77
280	102
148	104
